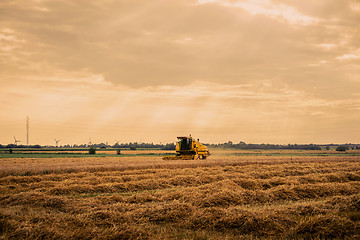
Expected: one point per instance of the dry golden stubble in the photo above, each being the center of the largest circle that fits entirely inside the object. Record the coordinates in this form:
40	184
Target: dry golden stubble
236	198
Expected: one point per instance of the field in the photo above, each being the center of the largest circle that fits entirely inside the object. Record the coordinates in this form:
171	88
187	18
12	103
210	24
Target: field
231	195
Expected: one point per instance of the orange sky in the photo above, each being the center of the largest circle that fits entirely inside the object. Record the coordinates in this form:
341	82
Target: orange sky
256	71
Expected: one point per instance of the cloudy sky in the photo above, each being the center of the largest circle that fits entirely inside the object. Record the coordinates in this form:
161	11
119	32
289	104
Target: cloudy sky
259	71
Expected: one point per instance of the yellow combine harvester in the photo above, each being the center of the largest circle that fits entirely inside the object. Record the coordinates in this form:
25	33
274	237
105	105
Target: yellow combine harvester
188	148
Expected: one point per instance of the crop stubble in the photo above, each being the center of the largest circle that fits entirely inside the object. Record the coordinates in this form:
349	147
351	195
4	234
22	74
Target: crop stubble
227	197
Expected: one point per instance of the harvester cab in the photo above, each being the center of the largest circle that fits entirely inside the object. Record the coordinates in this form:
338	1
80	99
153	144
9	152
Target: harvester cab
188	148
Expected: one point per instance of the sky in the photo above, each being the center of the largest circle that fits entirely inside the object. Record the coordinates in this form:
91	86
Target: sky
258	71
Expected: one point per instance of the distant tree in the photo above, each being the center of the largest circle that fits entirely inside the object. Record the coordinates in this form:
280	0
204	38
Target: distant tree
327	148
342	148
118	152
132	147
169	146
92	150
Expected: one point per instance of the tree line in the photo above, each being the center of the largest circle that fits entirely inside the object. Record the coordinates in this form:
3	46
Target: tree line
243	145
171	146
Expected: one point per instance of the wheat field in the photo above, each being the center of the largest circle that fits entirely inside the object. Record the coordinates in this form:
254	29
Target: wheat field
228	196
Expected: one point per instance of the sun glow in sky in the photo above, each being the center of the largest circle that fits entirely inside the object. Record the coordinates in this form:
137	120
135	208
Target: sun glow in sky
273	71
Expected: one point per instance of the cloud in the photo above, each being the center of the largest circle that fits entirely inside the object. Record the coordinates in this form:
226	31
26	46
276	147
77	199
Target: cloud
211	66
350	56
268	8
175	43
97	110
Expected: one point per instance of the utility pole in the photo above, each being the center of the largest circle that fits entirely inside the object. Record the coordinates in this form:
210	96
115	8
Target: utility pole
27	130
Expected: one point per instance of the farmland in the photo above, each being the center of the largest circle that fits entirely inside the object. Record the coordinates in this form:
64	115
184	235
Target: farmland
234	194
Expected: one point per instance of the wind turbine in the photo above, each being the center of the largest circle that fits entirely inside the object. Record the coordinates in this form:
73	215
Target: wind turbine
56	141
16	141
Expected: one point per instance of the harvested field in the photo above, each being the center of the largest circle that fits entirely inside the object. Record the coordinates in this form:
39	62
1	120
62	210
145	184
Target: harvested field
228	196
